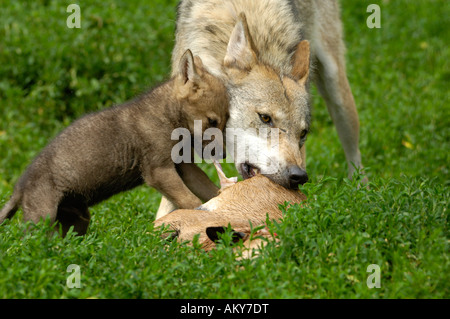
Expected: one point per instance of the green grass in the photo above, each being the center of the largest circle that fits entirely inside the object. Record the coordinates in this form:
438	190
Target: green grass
50	75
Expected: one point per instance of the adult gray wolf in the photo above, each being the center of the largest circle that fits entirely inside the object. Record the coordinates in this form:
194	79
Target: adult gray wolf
267	51
119	148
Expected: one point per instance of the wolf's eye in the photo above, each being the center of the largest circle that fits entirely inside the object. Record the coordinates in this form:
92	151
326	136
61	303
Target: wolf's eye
303	134
212	123
265	118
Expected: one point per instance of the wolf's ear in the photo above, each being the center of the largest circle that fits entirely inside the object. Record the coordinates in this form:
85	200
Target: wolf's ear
300	62
213	233
187	69
240	51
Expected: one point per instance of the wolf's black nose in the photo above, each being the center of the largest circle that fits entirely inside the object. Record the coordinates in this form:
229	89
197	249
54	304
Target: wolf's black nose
297	176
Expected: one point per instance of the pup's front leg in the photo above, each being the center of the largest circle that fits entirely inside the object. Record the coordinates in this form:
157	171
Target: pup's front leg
167	181
197	181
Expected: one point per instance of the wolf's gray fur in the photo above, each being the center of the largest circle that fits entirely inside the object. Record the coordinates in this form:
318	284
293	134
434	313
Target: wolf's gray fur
234	36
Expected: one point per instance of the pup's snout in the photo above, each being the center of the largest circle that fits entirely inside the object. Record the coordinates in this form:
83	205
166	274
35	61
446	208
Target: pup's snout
297	176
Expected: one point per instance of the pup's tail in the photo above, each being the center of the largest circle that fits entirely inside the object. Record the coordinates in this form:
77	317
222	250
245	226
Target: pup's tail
11	206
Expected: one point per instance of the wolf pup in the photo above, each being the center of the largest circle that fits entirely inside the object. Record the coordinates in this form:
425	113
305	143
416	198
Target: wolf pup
117	149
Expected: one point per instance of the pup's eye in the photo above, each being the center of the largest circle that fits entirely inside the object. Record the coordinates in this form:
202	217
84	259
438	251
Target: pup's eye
212	123
303	134
265	118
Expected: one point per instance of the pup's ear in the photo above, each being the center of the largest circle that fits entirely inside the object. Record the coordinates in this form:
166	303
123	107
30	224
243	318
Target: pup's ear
213	233
187	69
240	51
300	62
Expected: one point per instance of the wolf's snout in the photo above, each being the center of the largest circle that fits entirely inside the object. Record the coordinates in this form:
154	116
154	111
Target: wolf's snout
297	176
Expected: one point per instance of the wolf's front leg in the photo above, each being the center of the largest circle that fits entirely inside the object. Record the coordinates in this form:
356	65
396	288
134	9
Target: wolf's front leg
167	181
334	86
196	180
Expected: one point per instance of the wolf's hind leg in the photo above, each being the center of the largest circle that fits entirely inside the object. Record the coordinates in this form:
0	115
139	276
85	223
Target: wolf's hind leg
73	211
40	202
